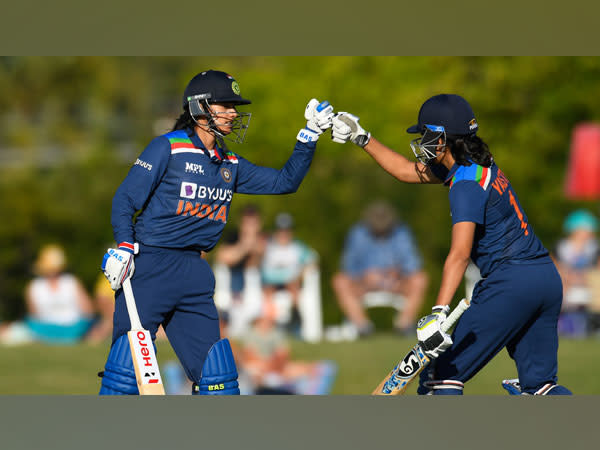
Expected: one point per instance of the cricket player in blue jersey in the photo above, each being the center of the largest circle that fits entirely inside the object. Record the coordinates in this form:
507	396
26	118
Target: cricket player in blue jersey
517	302
183	184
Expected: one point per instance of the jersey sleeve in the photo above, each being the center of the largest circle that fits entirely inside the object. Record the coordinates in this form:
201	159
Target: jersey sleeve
467	202
253	179
136	188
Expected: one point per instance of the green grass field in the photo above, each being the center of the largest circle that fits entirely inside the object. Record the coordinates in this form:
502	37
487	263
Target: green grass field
59	370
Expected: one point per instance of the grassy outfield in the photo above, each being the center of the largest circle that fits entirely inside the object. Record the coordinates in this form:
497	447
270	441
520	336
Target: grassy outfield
37	369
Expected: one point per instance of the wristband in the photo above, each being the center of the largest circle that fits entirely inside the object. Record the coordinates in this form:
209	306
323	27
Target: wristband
128	247
307	135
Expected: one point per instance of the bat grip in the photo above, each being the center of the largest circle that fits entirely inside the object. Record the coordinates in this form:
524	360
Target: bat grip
134	318
455	315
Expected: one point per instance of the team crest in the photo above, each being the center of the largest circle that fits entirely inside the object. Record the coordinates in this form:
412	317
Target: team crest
235	87
226	174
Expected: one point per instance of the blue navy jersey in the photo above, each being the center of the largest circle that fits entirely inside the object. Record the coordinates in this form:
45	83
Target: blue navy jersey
483	195
184	192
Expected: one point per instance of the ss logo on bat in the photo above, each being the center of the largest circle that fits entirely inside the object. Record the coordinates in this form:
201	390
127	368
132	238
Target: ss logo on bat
410	364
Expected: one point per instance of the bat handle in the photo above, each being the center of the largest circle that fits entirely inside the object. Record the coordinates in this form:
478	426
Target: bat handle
455	314
134	318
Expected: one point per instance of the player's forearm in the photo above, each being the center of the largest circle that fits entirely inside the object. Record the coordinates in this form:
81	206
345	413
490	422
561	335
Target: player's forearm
394	163
452	275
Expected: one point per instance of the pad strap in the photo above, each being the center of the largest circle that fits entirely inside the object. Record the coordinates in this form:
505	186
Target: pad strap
445	387
219	373
119	374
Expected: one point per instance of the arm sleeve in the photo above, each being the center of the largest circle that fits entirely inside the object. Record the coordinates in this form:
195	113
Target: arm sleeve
467	202
136	188
253	179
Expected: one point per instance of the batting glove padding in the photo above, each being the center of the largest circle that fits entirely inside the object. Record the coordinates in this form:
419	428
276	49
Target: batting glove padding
117	265
431	338
318	115
345	127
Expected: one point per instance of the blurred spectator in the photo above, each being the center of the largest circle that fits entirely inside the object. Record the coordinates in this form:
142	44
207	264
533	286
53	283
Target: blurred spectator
59	310
104	300
265	362
577	258
243	248
283	265
380	254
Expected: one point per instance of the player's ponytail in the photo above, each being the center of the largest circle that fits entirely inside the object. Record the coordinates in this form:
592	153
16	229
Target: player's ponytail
184	120
469	149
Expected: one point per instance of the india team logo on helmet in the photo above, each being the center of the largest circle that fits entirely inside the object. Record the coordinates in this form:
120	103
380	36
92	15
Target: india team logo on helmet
235	87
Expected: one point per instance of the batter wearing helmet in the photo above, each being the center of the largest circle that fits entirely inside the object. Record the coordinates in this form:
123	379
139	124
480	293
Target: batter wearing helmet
517	302
183	184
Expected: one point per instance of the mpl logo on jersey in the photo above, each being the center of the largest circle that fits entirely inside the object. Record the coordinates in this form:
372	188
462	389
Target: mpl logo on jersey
194	168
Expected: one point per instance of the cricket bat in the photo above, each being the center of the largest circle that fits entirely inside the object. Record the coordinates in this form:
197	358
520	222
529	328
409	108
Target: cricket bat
415	361
142	349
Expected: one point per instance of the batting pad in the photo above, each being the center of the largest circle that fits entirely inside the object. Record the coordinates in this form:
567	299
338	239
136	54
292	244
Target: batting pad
219	373
119	374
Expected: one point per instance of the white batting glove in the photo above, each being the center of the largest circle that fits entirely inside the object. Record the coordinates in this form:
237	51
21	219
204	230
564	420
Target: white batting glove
346	127
117	265
318	117
431	338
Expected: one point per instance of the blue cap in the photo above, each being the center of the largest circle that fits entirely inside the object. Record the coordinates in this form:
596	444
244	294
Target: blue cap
450	111
581	219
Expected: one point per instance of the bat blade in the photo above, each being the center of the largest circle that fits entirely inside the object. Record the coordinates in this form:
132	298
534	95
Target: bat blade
397	381
143	355
145	363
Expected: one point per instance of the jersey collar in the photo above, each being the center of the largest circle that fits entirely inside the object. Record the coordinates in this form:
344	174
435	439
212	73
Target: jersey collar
218	153
451	173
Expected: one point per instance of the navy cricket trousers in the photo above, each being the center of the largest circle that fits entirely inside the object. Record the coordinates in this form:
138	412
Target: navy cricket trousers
516	307
175	288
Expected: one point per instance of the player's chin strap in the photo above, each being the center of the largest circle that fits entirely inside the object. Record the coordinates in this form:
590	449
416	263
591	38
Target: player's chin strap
219	373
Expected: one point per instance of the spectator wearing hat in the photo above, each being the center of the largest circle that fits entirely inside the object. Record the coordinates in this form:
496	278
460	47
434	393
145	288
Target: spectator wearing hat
577	257
284	262
59	310
380	254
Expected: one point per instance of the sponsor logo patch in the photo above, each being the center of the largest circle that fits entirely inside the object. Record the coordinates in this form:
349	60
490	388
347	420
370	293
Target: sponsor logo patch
143	164
194	168
188	190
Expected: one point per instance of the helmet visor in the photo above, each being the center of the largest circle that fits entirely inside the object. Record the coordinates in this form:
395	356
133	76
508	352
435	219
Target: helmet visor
425	147
223	124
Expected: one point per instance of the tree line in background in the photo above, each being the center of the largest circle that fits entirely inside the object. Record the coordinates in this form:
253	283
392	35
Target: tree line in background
71	127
